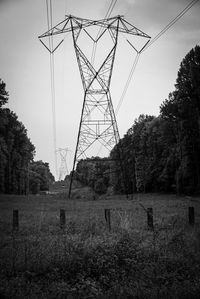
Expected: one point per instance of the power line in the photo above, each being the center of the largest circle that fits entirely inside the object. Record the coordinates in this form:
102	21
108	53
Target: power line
171	23
109	11
48	24
65	3
52	72
127	82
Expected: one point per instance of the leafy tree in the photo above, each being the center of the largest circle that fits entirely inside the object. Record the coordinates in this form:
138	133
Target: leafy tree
94	172
134	158
3	94
99	186
183	110
16	150
40	176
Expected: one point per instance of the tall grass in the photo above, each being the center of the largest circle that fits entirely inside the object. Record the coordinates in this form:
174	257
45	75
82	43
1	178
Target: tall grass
84	260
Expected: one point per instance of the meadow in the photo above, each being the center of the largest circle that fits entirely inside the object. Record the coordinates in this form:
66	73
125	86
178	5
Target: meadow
86	260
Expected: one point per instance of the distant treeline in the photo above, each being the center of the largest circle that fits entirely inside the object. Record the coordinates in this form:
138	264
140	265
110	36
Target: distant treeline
157	153
19	174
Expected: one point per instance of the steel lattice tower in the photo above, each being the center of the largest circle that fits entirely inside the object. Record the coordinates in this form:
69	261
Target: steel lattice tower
98	122
63	170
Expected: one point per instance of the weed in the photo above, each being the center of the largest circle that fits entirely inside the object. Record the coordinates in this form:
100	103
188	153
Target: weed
85	260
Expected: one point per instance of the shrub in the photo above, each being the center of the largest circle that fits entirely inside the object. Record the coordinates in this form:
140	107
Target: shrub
89	262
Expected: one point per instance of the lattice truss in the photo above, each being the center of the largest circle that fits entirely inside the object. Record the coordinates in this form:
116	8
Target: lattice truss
98	123
63	170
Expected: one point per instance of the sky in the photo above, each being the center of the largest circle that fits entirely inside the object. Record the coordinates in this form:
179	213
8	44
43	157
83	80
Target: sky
25	65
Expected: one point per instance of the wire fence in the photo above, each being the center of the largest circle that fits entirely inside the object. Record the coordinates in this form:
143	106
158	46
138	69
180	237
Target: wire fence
110	216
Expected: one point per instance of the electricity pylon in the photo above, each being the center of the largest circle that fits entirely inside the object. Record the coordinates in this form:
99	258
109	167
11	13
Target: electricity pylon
63	170
98	122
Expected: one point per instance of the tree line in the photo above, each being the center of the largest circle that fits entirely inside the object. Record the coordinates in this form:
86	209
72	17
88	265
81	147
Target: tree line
19	173
158	154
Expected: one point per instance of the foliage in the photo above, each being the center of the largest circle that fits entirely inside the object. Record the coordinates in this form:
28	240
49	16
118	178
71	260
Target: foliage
183	110
106	266
162	153
40	176
16	151
3	94
16	154
94	172
85	260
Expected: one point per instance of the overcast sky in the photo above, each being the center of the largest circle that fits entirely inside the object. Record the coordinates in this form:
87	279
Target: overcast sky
25	68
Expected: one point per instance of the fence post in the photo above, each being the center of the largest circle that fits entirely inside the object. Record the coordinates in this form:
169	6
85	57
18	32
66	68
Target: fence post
15	223
62	218
150	218
191	215
107	217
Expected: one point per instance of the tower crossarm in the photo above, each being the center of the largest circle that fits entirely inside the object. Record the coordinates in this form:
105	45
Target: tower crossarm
126	27
71	23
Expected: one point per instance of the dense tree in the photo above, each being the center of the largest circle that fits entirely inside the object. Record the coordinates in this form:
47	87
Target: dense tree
3	94
16	154
94	172
40	176
16	151
183	110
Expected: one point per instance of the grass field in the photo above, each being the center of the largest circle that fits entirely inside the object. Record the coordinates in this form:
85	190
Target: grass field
85	260
42	212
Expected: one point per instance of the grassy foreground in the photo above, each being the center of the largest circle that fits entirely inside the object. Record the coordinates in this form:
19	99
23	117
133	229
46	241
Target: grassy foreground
85	260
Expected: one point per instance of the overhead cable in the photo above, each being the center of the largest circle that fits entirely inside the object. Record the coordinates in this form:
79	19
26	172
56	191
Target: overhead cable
171	23
109	11
127	82
52	71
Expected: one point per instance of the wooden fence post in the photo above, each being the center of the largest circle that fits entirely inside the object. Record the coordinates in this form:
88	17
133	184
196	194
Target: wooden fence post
107	217
15	223
150	218
191	215
62	218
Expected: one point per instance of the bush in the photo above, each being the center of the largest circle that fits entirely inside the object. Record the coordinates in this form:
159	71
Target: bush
98	264
100	187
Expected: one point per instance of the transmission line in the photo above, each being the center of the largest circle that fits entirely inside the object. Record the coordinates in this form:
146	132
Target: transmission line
127	82
171	23
52	72
65	3
109	11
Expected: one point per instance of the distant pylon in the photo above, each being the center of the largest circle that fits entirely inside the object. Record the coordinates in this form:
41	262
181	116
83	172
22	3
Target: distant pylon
98	124
63	170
